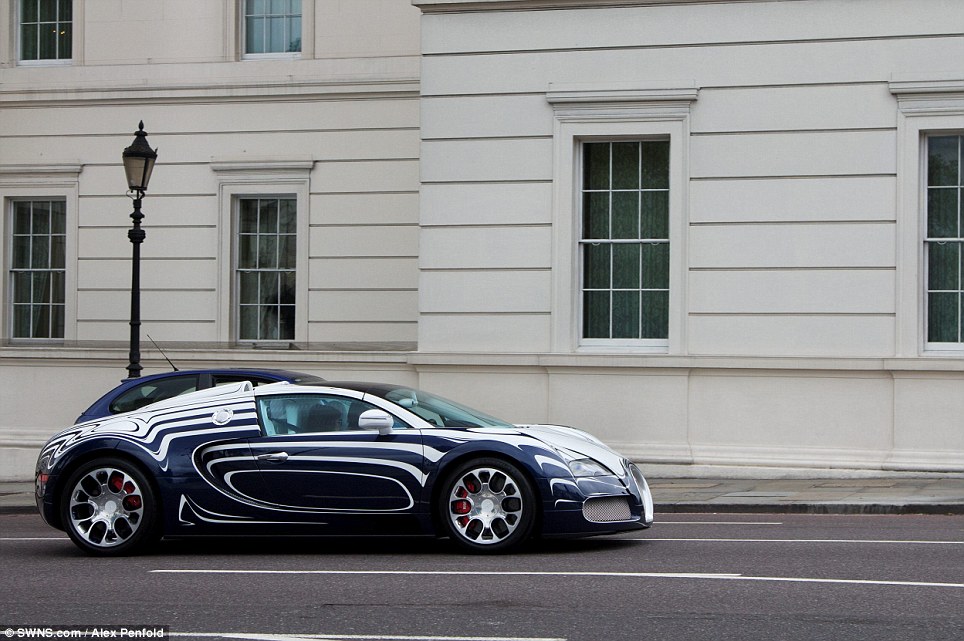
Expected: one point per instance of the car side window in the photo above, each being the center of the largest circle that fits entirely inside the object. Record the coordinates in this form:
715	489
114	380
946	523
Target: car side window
153	391
225	379
312	413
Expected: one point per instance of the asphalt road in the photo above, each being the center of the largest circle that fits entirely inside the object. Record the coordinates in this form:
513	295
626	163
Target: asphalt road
691	577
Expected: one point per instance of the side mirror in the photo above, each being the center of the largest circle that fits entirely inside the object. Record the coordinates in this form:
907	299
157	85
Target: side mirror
376	420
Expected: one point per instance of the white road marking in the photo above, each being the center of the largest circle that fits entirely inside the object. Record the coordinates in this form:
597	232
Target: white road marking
719	523
870	541
251	636
630	575
34	538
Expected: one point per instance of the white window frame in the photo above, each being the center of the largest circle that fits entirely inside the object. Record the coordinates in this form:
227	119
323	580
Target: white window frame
260	179
40	182
926	107
605	113
236	252
307	30
76	38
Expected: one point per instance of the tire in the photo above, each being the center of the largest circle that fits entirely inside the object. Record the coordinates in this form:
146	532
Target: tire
109	508
487	505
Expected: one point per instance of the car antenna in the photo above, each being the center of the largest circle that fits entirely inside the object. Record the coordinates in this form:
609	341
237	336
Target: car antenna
158	347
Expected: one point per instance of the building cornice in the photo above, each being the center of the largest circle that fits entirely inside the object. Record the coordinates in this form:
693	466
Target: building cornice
459	6
205	81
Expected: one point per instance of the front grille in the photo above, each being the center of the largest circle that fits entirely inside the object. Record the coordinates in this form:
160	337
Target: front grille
607	509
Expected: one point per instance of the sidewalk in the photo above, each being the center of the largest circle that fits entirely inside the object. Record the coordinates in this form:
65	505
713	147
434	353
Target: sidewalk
719	489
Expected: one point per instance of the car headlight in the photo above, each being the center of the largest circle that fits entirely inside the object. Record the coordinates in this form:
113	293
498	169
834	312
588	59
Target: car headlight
587	467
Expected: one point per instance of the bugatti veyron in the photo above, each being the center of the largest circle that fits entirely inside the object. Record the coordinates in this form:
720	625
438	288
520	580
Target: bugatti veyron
337	458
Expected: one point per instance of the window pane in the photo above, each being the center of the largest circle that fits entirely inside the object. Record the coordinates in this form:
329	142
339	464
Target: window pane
596	165
248	216
254	35
268	216
595	216
269	288
66	41
267	252
596	266
30	10
942	317
287	294
625	214
655	215
655	265
596	314
41	287
21	217
626	266
286	252
48	10
40	319
29	49
48	41
248	330
57	287
294	35
66	10
21	321
625	165
942	160
21	252
276	35
655	164
22	287
248	252
41	218
287	215
57	321
268	323
58	217
248	288
40	252
287	321
655	316
626	314
942	213
943	266
57	247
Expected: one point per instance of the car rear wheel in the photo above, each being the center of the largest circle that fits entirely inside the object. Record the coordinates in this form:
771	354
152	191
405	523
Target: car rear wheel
109	508
487	505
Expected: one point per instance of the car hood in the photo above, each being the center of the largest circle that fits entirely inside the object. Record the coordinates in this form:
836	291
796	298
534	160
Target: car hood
575	443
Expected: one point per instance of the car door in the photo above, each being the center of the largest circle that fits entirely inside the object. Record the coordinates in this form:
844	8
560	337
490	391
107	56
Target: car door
314	458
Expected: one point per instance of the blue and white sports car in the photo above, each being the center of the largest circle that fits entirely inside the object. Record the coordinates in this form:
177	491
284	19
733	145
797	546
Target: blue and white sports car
339	459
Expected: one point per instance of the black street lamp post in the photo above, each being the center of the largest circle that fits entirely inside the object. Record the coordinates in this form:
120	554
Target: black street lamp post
139	161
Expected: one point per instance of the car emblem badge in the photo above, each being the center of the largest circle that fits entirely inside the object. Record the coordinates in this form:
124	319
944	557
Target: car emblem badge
222	416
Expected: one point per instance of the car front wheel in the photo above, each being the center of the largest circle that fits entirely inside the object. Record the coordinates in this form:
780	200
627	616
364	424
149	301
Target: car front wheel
487	505
109	508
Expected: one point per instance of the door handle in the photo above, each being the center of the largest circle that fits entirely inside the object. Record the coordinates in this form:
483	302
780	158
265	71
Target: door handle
274	457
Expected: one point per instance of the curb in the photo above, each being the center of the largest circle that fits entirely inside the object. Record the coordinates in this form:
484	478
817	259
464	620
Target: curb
811	508
19	509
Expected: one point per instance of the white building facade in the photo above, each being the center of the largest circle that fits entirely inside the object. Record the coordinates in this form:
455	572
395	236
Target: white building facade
708	232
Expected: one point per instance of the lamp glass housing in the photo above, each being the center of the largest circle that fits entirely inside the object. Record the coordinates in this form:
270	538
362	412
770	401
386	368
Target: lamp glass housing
139	161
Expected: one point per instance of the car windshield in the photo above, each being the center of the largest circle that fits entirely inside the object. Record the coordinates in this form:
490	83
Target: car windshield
440	411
